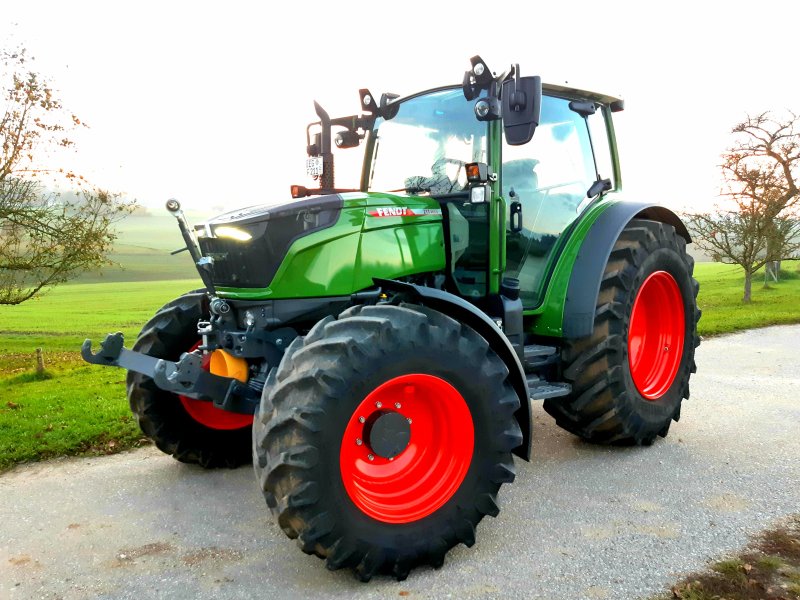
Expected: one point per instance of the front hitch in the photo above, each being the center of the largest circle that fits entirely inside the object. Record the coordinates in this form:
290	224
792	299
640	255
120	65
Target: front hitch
185	377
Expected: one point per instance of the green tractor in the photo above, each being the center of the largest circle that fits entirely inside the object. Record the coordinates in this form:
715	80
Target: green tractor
374	350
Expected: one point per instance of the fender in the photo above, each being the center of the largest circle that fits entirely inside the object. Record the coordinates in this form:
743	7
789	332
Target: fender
587	271
464	312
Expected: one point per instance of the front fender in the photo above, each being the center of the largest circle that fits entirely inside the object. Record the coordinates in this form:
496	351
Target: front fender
464	312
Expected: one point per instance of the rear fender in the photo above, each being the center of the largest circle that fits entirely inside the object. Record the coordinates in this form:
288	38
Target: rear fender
464	312
588	269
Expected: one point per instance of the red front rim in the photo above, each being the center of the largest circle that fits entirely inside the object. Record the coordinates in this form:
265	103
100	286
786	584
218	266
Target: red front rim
426	474
209	415
656	335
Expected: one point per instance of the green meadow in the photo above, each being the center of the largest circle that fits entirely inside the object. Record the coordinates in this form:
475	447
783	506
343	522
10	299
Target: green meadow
75	408
721	289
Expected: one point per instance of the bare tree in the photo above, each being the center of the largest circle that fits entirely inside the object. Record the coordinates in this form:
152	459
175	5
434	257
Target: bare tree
44	239
758	224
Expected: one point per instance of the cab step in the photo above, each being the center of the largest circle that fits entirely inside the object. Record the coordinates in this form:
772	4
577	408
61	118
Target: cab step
537	356
542	390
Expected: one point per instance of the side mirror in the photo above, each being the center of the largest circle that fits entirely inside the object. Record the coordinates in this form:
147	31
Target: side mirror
522	102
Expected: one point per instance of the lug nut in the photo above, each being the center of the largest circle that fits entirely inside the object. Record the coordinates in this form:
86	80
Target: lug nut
369	456
397	405
358	442
409	420
378	404
361	419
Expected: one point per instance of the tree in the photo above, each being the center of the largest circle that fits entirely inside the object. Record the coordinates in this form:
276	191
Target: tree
759	222
45	239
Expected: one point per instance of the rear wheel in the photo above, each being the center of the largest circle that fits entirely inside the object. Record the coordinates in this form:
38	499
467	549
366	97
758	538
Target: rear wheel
631	375
383	438
192	431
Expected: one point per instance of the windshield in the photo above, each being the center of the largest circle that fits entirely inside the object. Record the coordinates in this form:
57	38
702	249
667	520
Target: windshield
424	148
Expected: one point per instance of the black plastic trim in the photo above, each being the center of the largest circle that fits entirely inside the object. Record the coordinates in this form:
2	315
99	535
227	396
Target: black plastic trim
274	230
463	311
587	273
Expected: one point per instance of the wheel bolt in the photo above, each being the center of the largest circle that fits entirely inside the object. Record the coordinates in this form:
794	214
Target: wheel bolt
358	442
369	456
666	348
378	404
361	419
409	420
397	405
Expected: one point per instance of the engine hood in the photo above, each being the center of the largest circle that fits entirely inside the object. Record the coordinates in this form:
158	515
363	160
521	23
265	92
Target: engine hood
259	213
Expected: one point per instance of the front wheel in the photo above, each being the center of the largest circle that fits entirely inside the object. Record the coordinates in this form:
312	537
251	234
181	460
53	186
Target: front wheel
192	431
630	376
383	438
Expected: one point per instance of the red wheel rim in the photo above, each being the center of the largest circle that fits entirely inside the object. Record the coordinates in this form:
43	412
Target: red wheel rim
209	415
426	474
656	335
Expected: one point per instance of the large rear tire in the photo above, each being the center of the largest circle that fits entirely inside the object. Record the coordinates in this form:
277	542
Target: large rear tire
385	502
191	431
631	375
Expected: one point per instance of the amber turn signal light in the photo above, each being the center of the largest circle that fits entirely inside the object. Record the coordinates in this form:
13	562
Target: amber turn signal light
477	172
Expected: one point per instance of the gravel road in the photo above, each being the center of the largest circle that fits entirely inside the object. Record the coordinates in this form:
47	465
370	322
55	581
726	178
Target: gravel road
580	521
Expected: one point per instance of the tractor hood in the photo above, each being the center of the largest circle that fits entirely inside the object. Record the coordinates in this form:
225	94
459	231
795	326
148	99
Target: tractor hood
248	244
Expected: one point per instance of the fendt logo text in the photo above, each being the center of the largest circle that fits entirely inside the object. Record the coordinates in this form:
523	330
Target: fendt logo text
402	211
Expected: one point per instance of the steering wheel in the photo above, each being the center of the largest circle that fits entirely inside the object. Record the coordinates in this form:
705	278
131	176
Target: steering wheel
439	170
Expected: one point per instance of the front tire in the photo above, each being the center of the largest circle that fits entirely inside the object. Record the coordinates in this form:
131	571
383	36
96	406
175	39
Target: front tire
631	375
192	431
415	498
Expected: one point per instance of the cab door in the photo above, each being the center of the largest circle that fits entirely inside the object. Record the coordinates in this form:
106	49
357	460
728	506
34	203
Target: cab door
545	183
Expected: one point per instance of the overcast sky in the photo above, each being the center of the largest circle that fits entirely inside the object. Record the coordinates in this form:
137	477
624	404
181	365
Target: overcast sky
208	102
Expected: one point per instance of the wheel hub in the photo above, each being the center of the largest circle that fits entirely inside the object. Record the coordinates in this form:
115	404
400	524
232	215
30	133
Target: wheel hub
656	335
387	433
406	448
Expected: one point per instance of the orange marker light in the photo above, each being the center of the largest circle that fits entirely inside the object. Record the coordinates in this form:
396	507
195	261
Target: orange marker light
477	172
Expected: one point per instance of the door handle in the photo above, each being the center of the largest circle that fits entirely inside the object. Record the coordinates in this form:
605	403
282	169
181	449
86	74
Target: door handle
515	222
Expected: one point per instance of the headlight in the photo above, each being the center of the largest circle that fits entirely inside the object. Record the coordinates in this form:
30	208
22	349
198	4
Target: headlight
233	233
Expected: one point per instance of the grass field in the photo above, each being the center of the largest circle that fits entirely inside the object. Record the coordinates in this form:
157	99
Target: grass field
721	289
79	408
142	253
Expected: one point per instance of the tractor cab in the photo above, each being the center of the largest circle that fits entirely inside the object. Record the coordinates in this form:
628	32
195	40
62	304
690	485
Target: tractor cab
545	154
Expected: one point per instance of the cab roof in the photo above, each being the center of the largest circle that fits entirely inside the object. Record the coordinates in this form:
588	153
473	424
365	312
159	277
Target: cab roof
569	91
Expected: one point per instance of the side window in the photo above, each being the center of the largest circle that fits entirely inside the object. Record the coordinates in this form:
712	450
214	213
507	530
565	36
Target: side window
549	177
